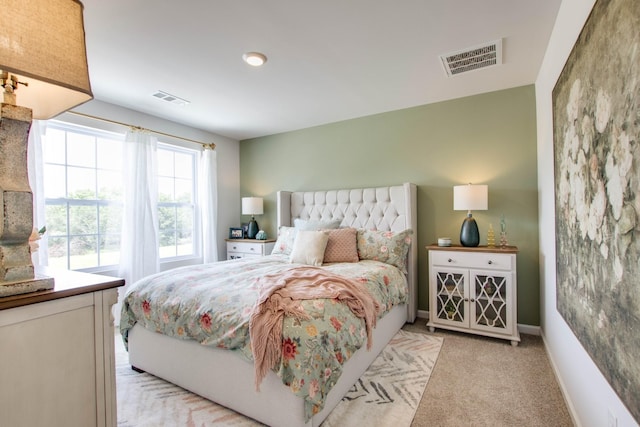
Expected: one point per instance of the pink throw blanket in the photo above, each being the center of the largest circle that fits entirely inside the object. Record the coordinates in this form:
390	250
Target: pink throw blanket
280	295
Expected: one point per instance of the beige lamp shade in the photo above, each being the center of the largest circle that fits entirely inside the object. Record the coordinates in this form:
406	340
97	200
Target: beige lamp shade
43	44
470	197
252	206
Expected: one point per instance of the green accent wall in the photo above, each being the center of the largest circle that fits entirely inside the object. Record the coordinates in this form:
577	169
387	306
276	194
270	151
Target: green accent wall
483	139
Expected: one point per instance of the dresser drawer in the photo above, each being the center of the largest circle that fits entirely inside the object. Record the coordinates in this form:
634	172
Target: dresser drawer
484	260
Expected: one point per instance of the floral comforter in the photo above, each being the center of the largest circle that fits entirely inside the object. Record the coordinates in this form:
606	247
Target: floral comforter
212	304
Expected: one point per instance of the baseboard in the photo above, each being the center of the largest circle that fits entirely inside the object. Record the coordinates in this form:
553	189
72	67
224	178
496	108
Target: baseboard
563	389
523	329
529	329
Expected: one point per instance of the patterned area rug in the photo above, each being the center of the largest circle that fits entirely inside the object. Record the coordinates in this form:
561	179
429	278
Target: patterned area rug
387	394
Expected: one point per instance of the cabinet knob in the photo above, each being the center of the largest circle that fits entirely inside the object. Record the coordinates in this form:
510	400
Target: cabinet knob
449	260
490	262
473	300
253	249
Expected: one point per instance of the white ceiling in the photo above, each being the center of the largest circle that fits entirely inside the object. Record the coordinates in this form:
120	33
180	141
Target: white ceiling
328	60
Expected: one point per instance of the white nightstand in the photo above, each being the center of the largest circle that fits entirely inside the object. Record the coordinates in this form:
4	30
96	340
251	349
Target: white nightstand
243	248
474	290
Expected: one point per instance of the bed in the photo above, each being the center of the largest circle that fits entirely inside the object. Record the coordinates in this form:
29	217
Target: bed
224	377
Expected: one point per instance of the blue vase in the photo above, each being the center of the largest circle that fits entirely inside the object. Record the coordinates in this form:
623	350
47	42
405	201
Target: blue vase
469	234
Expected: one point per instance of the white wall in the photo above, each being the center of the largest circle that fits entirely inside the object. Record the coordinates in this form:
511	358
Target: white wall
590	398
228	151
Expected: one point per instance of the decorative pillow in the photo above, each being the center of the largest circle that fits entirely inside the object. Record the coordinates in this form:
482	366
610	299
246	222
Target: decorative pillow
312	224
284	243
342	246
309	247
385	246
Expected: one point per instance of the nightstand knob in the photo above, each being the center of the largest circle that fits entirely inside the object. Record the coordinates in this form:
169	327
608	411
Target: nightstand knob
449	260
252	249
490	262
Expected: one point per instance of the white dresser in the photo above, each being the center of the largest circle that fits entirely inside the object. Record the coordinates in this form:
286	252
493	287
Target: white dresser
57	363
474	290
243	248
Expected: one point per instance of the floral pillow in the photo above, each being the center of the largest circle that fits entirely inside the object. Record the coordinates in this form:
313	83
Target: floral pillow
385	246
342	246
286	239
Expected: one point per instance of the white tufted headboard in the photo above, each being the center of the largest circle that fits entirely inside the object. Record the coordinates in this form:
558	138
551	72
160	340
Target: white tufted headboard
381	208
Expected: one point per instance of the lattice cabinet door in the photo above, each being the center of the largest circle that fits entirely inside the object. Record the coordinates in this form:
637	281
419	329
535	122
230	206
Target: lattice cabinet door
451	296
491	301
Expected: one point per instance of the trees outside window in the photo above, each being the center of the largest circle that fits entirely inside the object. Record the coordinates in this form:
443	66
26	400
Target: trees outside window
83	198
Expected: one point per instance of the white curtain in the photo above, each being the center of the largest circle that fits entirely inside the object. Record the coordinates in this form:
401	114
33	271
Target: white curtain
35	165
139	255
209	204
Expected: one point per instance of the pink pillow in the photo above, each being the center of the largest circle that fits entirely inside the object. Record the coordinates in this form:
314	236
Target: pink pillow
342	246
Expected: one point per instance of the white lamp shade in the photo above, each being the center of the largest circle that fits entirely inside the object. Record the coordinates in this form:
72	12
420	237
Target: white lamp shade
470	197
43	45
252	206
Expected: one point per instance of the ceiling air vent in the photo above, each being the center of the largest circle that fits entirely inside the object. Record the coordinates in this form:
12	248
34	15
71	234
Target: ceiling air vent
486	55
170	98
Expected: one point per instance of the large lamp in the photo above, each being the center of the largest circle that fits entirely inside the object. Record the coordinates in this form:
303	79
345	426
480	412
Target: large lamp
44	72
252	206
470	198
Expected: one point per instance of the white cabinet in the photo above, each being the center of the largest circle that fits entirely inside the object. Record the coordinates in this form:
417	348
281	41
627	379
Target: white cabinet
243	248
474	290
57	364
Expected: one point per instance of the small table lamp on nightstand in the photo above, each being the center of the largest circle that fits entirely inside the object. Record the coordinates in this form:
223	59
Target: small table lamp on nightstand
467	198
252	206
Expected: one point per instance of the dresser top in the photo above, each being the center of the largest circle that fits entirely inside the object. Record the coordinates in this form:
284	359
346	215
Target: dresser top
66	284
459	248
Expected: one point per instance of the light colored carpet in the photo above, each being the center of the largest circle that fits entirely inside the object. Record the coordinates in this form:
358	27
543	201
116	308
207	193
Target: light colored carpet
480	381
387	394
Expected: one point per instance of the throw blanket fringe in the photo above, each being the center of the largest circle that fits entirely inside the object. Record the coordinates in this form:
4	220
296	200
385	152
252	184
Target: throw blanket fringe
280	295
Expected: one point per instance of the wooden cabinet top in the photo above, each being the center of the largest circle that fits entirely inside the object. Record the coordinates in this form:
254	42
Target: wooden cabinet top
460	248
66	283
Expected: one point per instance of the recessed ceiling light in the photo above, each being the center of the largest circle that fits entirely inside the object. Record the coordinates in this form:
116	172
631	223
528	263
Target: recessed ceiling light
254	59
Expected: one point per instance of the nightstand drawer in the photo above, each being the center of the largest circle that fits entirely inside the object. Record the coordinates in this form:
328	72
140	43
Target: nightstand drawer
245	248
486	260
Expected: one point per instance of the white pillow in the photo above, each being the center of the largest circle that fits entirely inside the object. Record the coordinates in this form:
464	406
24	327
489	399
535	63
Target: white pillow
309	247
312	224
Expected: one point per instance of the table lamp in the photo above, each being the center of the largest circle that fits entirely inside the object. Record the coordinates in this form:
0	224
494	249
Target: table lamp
44	72
252	206
467	198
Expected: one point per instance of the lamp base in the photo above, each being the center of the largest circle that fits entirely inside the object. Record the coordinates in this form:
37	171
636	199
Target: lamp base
253	229
38	283
469	234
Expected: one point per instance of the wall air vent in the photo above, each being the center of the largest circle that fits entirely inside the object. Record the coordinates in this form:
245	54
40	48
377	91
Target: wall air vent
483	56
170	98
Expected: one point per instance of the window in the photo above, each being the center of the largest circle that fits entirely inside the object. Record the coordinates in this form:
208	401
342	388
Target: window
83	198
176	197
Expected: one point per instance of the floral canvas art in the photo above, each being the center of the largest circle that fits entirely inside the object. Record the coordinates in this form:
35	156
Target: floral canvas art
596	109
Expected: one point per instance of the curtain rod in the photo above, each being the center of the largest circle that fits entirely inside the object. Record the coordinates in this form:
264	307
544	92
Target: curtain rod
211	146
